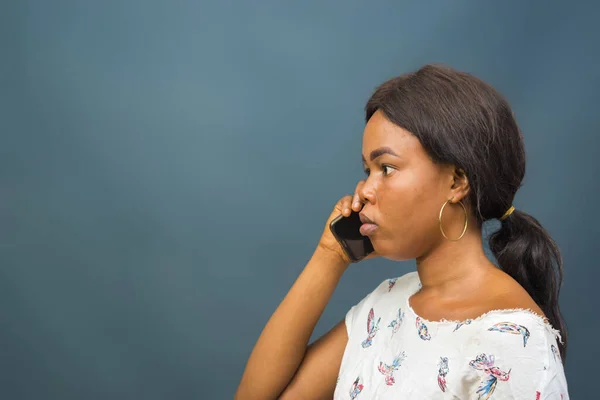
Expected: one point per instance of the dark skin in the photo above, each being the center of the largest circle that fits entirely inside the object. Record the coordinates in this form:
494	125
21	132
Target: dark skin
403	194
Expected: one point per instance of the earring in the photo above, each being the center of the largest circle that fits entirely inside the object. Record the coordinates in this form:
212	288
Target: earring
466	221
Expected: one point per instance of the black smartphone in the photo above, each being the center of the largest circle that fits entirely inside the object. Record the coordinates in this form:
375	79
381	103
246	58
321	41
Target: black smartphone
347	232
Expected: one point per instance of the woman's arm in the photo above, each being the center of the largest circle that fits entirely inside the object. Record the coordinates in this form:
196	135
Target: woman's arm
282	345
317	375
280	363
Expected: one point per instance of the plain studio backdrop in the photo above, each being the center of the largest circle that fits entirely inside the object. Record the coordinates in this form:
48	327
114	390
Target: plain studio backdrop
167	168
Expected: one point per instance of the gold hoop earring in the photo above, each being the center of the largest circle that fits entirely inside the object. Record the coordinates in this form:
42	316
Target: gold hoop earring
464	228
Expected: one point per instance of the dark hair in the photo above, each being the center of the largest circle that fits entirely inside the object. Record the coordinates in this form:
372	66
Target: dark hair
463	121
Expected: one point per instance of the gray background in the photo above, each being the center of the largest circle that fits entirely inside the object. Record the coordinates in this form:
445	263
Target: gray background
167	168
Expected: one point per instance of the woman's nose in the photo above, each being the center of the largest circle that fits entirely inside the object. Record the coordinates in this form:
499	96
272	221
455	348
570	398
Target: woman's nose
367	192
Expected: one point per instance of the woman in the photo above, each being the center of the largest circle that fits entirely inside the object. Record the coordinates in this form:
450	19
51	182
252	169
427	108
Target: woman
442	153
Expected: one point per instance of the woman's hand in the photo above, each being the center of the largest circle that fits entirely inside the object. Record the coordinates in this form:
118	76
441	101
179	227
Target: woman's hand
344	206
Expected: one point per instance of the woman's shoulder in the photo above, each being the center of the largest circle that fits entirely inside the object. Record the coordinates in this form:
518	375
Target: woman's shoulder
517	332
516	314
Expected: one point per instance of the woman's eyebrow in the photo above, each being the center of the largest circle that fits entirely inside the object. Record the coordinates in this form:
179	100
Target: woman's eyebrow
379	152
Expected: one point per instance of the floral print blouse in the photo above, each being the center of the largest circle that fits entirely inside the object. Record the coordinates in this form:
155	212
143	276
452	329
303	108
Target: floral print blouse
392	353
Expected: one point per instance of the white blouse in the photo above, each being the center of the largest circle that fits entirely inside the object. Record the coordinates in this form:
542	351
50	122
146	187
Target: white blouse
392	353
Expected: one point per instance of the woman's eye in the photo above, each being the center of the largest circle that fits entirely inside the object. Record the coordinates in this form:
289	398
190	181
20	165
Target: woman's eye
387	169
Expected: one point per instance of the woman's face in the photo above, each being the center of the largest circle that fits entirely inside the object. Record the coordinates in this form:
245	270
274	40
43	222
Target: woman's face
404	191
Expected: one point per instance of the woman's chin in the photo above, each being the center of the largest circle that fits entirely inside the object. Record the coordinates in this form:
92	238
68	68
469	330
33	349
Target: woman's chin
393	253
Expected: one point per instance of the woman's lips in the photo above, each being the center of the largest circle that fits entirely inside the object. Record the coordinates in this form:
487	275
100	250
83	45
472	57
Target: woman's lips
368	229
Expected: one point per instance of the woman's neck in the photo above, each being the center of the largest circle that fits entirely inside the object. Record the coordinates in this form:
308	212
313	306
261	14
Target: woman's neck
454	267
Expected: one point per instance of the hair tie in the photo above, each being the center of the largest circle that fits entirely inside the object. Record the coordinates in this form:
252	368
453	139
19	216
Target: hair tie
507	213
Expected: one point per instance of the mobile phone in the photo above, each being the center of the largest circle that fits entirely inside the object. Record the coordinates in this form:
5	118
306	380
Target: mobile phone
347	232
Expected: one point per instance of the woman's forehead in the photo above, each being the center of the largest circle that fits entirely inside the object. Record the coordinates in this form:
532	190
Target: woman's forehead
382	133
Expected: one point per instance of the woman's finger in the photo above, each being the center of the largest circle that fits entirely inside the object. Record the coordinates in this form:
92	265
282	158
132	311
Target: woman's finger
346	205
356	201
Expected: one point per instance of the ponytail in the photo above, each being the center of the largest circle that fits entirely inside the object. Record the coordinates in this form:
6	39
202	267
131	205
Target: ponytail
525	251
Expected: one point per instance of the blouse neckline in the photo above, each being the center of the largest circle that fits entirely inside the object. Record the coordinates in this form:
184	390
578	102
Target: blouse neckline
507	311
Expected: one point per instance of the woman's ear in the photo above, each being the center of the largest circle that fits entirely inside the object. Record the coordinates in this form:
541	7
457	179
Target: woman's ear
460	186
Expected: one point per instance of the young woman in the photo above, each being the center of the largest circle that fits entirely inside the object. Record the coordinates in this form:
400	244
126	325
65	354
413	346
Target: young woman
442	154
